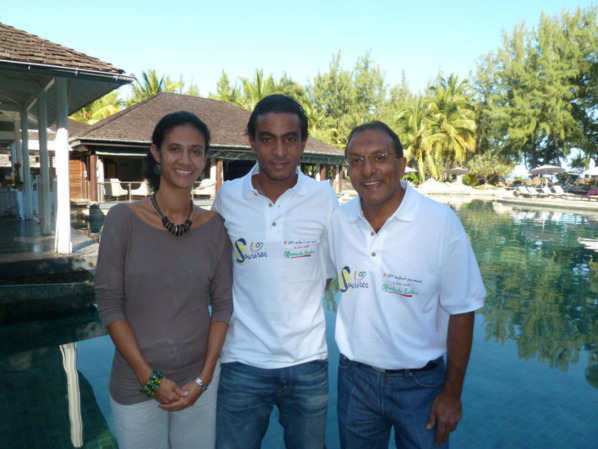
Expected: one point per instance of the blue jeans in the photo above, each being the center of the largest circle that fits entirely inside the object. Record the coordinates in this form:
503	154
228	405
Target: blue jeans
370	402
247	394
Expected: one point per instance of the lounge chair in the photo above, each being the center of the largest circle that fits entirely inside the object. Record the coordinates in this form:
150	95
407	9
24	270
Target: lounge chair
141	192
592	197
533	192
113	189
546	190
559	192
522	191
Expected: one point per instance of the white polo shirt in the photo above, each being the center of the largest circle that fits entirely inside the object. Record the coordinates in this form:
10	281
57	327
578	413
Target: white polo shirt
399	286
281	261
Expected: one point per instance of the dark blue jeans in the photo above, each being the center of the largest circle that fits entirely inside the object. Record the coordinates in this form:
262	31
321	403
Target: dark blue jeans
246	396
370	402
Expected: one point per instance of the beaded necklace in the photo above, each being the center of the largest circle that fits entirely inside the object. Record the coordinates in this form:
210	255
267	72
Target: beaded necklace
176	230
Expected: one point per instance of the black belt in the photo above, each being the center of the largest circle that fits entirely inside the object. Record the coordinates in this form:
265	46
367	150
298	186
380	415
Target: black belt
429	366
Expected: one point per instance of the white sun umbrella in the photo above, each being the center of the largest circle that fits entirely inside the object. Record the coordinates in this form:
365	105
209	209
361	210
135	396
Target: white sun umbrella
575	171
458	171
410	170
546	170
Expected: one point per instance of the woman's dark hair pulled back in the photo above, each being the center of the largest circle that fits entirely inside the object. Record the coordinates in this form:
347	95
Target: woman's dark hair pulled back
164	126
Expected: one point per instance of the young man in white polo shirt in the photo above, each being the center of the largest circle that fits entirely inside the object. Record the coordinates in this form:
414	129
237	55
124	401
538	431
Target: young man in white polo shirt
409	286
275	352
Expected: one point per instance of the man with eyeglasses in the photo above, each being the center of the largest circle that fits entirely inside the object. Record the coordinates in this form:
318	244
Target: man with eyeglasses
409	284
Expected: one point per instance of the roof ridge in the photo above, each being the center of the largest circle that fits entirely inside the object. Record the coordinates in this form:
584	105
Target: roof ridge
236	106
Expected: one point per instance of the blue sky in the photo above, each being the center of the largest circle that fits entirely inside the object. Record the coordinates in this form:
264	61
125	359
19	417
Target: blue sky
199	39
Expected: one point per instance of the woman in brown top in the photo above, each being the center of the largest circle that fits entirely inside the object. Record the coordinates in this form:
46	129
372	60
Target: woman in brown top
159	260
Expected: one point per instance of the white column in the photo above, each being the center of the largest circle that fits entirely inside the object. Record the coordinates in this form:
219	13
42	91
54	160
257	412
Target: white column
17	156
13	151
335	178
26	176
100	178
43	187
213	168
69	363
63	204
317	172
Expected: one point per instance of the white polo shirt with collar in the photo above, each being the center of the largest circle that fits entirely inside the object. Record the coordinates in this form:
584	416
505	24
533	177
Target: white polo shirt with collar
281	260
399	286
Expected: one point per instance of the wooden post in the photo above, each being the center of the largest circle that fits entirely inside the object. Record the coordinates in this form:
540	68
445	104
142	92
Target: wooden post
93	177
218	174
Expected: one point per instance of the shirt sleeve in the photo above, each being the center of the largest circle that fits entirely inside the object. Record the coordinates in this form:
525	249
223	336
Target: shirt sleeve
221	293
110	266
327	262
461	288
217	203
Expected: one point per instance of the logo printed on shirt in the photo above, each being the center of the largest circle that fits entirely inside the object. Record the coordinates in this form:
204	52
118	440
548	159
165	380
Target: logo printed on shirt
400	285
299	248
349	280
242	254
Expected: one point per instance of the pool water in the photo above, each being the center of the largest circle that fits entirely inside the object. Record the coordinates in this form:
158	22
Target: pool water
532	381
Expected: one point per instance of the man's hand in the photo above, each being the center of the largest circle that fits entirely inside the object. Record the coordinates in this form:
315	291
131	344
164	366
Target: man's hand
445	414
446	409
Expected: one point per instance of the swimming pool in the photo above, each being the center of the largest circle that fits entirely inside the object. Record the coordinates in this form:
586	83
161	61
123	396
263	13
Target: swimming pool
532	380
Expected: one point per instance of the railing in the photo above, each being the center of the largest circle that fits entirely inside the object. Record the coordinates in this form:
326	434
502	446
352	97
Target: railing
130	190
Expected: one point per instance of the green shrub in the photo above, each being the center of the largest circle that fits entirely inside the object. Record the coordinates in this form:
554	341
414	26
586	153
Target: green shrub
413	178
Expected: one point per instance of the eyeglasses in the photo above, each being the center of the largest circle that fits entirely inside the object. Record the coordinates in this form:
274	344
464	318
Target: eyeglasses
375	159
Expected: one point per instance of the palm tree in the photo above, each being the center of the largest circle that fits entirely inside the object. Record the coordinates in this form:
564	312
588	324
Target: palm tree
100	109
250	92
455	118
254	91
152	84
317	127
417	125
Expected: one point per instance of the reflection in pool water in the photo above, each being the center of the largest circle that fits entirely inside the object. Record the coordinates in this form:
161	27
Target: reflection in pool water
533	375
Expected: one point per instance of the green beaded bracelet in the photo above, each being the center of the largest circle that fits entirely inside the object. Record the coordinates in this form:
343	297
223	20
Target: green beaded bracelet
153	384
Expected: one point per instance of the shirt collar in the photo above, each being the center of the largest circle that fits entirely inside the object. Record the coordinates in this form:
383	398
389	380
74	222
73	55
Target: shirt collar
248	188
405	212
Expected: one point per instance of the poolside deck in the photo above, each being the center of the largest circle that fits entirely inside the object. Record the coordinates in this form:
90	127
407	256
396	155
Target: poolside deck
577	205
25	252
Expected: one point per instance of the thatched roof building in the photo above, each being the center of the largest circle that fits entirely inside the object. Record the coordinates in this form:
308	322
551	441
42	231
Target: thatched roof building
118	143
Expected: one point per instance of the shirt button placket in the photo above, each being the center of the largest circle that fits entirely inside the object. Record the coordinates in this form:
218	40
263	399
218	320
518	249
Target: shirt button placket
274	215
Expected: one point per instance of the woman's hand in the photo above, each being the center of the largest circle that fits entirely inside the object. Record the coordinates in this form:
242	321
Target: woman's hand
190	393
169	392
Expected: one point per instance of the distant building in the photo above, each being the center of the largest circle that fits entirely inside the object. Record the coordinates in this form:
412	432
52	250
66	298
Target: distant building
41	84
114	148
